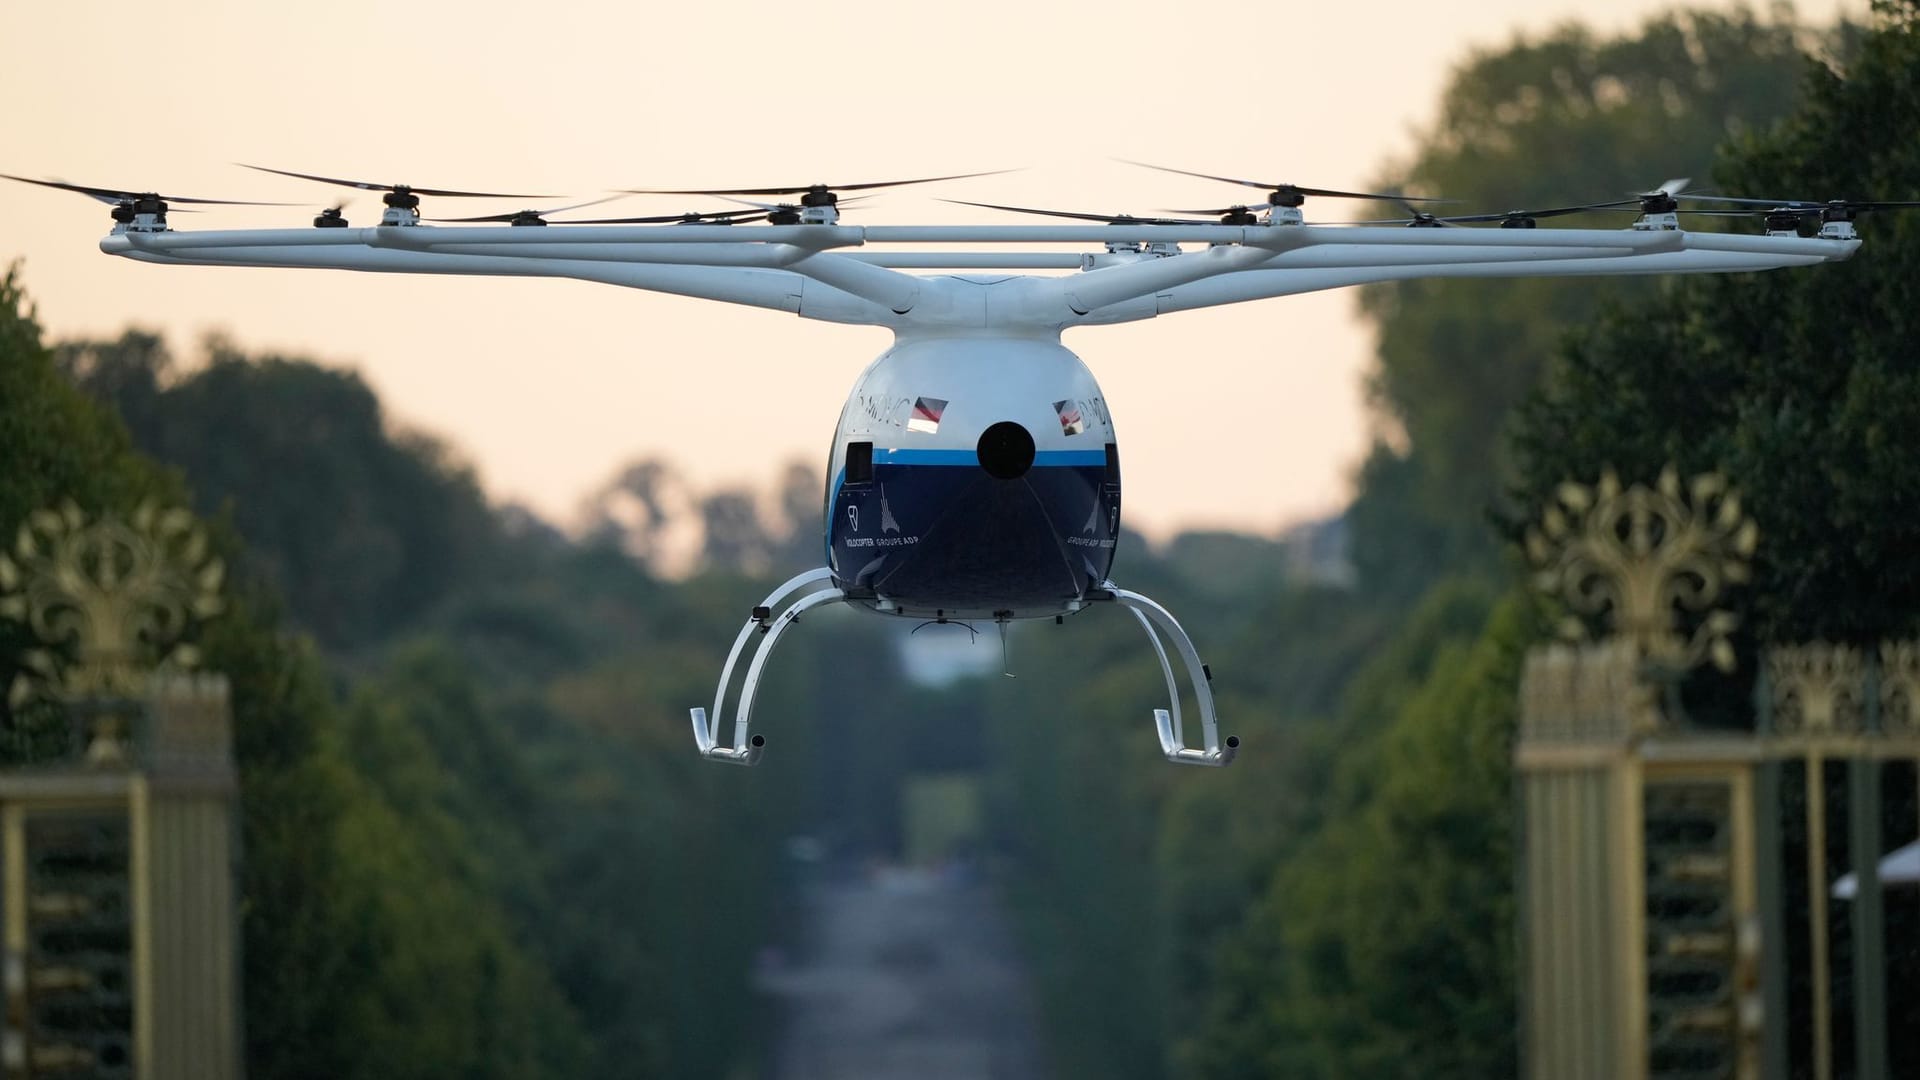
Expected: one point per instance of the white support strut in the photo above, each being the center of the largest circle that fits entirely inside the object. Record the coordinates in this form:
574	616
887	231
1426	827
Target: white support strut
746	749
1156	620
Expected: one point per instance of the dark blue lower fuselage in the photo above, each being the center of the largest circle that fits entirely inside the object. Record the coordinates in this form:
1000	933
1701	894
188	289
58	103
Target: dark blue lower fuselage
934	532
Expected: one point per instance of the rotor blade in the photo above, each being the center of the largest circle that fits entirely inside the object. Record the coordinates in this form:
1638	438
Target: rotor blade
1805	204
1203	176
716	217
1104	219
365	185
804	188
1329	193
922	180
1252	208
1555	211
517	213
1772	204
116	196
791	206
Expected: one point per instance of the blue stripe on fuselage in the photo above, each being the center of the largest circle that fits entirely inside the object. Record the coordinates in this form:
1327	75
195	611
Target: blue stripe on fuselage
906	456
909	456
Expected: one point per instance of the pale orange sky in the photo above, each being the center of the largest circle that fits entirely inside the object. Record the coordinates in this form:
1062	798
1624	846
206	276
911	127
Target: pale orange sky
1250	417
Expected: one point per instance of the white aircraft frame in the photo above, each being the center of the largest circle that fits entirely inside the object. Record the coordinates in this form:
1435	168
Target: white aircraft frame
810	270
820	269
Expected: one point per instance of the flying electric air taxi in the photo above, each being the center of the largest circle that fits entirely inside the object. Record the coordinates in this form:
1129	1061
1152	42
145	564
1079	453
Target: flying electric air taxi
975	470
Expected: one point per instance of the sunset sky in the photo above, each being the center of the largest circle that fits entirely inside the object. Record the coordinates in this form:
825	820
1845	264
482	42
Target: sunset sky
548	387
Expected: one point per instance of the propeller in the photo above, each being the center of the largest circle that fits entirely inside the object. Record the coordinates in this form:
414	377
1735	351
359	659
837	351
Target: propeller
1525	219
1230	215
1829	210
1104	219
525	217
128	205
1660	200
333	217
818	194
691	217
1508	219
401	196
1291	196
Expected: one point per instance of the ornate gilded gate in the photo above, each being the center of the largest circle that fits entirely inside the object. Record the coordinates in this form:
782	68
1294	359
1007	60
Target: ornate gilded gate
1677	880
117	852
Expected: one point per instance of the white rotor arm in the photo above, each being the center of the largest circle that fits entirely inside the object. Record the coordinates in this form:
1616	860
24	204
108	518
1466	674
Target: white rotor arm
748	274
794	268
1700	253
1326	246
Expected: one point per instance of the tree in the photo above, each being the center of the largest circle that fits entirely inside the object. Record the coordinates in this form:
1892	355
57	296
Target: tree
366	952
55	446
1800	384
360	527
1566	118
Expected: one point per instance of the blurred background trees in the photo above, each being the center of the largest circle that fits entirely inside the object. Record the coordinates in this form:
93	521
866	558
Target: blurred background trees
478	844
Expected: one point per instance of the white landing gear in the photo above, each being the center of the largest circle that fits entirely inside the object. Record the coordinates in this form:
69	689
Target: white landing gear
1156	620
817	588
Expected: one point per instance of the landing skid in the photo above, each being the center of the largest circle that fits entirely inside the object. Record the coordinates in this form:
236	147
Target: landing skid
815	587
1156	620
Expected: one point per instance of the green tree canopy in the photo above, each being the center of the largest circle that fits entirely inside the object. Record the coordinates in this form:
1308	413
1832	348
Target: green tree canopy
1802	385
1567	118
359	525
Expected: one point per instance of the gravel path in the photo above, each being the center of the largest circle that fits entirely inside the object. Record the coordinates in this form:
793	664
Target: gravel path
909	975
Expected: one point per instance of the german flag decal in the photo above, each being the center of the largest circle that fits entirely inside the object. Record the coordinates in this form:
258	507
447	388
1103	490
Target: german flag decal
926	415
1070	422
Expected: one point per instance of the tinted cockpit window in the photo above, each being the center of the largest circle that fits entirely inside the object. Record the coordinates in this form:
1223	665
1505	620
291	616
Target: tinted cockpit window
860	463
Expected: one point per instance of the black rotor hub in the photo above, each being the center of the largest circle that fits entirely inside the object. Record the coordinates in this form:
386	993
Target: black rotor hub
527	217
1288	196
1239	215
330	218
1658	202
1518	220
785	215
401	198
1839	211
819	195
127	209
1783	220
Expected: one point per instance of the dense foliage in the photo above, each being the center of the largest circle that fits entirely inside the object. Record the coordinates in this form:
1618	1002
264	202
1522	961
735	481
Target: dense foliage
477	843
1802	386
1342	906
1565	119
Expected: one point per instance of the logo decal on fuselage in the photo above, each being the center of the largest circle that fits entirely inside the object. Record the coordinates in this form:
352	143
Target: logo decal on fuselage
886	410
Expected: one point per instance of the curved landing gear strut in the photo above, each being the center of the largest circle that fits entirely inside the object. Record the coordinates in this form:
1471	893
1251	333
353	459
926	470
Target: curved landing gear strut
816	587
1156	620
